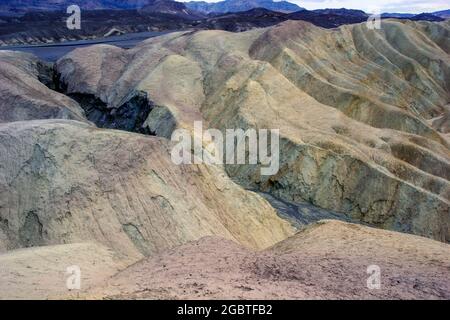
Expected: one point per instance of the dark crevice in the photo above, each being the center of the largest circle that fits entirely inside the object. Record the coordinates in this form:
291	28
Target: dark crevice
46	74
30	234
131	116
303	214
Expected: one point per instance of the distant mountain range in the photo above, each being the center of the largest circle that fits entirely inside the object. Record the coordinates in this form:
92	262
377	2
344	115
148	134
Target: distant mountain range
22	6
414	17
426	17
161	15
443	14
343	12
193	9
242	5
12	7
171	7
397	15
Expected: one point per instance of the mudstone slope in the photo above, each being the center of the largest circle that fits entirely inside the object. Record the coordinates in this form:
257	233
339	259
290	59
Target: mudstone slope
354	107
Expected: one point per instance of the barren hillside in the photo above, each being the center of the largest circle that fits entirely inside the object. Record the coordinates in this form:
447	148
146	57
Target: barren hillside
328	260
86	175
353	107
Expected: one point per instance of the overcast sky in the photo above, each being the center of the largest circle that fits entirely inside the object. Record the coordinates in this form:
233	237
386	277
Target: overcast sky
406	6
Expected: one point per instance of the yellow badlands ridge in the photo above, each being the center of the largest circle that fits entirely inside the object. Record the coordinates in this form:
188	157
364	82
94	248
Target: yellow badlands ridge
355	108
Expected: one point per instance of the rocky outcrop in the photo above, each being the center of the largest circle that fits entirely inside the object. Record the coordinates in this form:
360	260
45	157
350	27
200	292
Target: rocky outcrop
175	100
65	182
25	92
354	108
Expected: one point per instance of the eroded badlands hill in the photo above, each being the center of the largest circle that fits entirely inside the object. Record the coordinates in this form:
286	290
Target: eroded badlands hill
100	199
354	108
328	260
69	182
363	118
24	94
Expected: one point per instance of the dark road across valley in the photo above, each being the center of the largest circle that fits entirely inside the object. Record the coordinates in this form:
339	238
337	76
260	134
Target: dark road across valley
54	51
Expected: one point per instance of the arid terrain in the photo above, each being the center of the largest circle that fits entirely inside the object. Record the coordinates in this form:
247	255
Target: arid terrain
87	178
325	261
356	132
